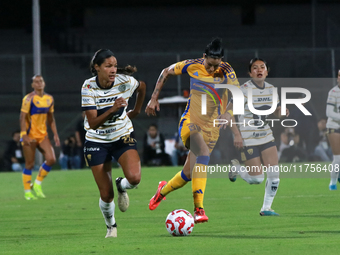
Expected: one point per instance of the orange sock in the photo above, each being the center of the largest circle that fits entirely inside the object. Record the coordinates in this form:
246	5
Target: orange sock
43	172
178	181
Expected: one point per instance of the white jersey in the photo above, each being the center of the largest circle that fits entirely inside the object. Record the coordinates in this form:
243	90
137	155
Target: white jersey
97	98
254	129
334	100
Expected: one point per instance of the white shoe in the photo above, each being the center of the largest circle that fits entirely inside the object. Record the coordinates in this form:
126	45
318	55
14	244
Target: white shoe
111	231
233	173
123	198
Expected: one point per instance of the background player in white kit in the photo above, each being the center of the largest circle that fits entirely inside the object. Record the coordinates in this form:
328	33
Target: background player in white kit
333	130
258	138
109	131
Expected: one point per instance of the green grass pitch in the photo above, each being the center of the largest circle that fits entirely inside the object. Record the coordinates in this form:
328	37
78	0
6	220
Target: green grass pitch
69	221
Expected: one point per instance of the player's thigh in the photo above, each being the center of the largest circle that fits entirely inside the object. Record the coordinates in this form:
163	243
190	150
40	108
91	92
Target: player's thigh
103	178
253	166
198	145
270	157
47	150
130	163
334	141
29	153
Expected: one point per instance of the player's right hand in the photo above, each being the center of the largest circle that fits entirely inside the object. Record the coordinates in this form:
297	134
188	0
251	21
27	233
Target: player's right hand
151	107
26	140
119	103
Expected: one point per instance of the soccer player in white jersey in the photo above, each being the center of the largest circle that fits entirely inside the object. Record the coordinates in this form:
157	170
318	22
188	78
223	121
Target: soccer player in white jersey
109	131
333	130
258	140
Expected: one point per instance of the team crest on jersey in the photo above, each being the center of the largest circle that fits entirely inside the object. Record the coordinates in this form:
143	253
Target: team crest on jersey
250	151
122	88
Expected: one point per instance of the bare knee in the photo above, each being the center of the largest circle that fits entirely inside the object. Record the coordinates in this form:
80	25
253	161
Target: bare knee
134	179
106	195
50	161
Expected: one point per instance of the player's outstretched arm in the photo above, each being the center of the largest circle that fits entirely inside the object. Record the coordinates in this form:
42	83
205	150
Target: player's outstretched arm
141	91
153	104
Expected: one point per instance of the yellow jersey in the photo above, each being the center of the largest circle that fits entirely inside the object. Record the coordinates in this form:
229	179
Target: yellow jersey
37	108
201	82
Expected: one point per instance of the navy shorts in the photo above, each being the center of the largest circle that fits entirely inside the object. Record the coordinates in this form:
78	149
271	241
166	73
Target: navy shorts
332	130
250	152
99	153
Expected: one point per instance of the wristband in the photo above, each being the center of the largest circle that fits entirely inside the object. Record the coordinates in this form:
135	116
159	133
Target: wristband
22	133
231	113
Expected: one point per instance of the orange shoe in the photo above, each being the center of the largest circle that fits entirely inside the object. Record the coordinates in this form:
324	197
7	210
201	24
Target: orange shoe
158	197
199	216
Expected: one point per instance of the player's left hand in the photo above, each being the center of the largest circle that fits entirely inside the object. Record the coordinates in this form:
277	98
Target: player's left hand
287	112
238	141
225	117
56	140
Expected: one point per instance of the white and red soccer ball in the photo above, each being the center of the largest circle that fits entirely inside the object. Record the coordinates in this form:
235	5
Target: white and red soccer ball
179	223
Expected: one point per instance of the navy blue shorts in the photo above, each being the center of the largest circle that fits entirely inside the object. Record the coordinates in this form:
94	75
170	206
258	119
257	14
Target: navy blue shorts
250	152
99	153
333	130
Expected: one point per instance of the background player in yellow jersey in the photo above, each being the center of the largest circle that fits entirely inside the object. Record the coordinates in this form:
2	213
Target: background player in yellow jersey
196	129
36	112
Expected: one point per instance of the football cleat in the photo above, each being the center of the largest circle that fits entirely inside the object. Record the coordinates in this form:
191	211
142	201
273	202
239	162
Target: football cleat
30	196
123	198
333	187
268	212
158	197
111	231
199	216
233	173
38	191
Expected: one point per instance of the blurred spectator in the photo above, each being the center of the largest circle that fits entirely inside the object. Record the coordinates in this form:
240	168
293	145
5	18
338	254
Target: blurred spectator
289	149
179	152
13	157
154	148
80	139
69	159
323	150
306	128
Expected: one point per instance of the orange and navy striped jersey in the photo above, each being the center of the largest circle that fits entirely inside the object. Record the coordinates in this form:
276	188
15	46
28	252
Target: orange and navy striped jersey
201	82
37	108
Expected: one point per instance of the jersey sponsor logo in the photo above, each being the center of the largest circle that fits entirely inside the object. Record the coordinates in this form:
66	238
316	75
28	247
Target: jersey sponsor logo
86	100
107	100
102	132
93	149
263	99
195	73
259	134
105	92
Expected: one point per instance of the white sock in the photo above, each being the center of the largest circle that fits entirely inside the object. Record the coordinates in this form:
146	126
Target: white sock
37	182
272	185
251	179
334	169
108	211
126	185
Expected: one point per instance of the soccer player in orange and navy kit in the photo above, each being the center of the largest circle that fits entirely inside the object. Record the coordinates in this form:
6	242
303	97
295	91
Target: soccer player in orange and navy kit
197	131
36	111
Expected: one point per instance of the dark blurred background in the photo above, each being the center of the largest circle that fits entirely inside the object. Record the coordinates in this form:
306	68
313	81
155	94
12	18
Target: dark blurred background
299	39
